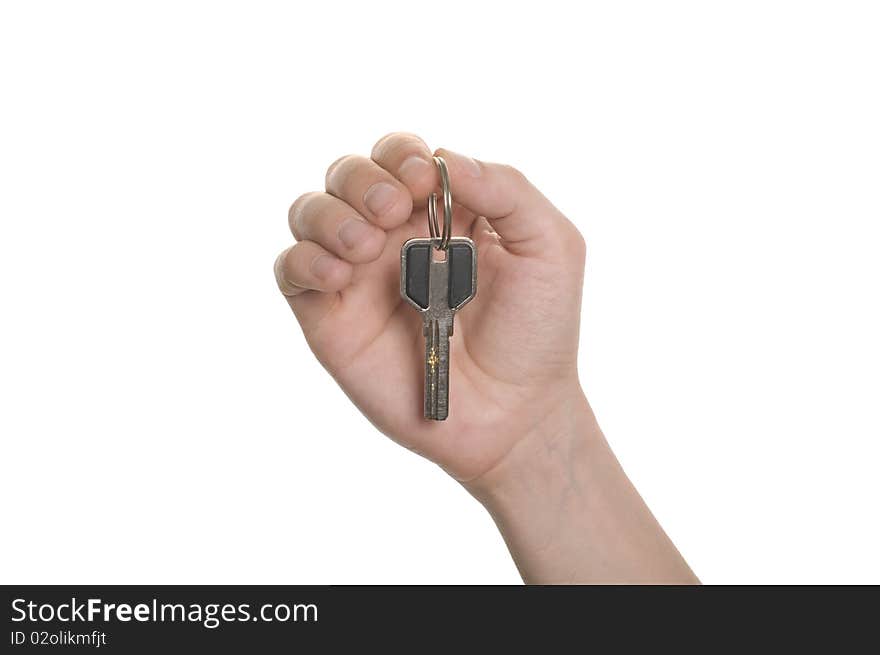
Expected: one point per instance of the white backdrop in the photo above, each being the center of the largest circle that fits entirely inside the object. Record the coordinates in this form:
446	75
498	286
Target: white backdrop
162	419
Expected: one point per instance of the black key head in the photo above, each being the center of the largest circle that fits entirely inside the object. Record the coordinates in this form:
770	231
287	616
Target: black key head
416	258
462	257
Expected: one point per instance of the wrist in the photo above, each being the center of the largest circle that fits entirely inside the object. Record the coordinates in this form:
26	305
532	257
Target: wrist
542	459
568	512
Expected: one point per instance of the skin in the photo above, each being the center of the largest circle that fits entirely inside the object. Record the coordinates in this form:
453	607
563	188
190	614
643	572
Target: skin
520	436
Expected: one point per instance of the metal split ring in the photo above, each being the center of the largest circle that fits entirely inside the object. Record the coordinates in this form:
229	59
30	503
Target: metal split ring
441	239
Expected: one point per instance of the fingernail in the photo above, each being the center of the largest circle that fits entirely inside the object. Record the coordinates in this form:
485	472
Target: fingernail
352	232
322	266
413	169
380	197
468	166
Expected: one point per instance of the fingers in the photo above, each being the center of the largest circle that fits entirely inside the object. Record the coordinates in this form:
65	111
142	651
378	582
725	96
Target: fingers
336	226
409	159
309	267
371	190
367	196
524	219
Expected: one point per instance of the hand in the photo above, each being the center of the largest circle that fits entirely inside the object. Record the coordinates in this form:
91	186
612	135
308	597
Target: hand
520	434
514	348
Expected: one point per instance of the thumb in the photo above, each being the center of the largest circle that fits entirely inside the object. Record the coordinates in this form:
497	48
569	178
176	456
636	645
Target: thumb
524	219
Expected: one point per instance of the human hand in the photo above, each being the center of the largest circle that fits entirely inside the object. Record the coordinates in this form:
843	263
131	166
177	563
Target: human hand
520	435
513	355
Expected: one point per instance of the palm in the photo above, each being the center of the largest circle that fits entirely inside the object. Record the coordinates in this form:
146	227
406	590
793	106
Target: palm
511	343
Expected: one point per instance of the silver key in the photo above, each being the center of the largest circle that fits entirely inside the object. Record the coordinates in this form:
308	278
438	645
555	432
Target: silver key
438	288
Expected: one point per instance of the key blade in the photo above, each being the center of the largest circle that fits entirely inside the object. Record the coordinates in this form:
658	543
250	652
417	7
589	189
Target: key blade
438	328
437	368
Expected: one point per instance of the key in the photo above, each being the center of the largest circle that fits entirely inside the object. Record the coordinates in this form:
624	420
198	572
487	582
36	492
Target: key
438	288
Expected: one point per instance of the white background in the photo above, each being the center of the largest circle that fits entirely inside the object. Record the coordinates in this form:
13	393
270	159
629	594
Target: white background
162	419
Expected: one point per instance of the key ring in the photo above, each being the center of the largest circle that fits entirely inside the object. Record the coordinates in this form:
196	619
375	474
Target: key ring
441	241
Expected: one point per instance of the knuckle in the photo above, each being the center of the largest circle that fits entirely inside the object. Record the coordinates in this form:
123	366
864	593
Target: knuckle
394	143
281	273
568	242
382	144
577	244
338	165
296	211
278	266
514	173
581	247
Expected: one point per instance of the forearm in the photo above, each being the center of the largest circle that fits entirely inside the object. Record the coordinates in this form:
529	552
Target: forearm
568	512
